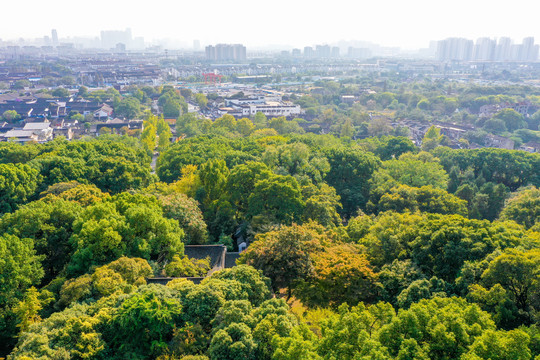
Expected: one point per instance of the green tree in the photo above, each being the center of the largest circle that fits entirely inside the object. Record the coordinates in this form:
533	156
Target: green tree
284	126
61	92
513	169
284	255
421	289
172	109
28	309
213	175
396	277
253	285
201	303
83	195
245	127
21	269
351	332
523	207
186	211
143	324
511	118
488	201
322	205
277	199
517	272
393	147
417	170
115	175
50	225
432	138
128	225
17	153
48	338
10	115
233	342
260	120
500	345
164	139
189	124
83	91
18	183
347	129
425	199
148	136
341	274
241	182
350	171
119	276
186	267
445	242
443	327
129	108
201	100
299	345
21	84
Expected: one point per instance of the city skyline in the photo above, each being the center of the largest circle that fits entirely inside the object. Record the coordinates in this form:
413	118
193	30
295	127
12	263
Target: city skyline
122	40
408	25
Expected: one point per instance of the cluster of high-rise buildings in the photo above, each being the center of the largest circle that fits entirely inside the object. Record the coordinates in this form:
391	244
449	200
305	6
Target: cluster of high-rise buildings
226	52
321	52
486	49
120	40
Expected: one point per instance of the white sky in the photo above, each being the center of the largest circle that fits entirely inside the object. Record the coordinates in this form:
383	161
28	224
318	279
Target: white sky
403	23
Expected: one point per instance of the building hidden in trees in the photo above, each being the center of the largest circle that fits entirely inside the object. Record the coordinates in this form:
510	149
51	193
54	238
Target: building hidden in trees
226	52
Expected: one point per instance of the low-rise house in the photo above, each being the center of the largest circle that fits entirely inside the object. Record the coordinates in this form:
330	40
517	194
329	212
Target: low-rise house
116	124
531	146
500	142
32	131
524	107
36	131
43	130
104	112
64	131
19	136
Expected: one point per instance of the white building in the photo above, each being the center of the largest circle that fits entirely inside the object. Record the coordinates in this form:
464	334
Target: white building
271	106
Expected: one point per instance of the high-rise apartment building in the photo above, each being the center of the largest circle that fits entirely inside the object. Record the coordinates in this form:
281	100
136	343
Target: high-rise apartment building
484	49
309	52
528	51
455	49
503	51
54	36
226	52
323	51
110	38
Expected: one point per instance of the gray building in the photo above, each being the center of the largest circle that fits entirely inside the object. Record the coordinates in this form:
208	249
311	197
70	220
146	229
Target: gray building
226	52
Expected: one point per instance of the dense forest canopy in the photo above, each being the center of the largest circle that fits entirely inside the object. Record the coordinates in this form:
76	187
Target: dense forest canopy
358	247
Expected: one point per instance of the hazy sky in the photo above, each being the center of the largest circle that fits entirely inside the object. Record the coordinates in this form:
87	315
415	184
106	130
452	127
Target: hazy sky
403	23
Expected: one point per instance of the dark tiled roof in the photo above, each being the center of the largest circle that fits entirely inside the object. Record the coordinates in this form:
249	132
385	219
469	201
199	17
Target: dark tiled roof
219	259
216	253
165	280
230	259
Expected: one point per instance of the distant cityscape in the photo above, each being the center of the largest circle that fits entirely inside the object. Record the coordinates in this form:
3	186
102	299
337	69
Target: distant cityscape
486	49
503	49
